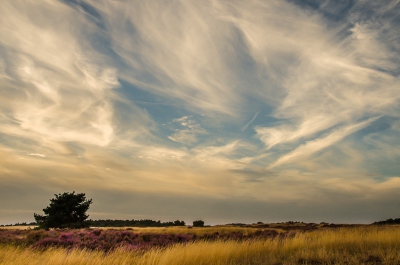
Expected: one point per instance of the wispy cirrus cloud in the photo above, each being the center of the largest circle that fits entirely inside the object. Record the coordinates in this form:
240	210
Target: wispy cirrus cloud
311	147
350	73
181	54
59	87
240	103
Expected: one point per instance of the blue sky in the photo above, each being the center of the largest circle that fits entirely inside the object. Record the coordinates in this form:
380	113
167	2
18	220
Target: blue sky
226	111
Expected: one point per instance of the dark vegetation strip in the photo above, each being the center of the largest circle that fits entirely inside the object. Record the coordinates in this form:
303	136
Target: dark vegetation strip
135	223
119	223
388	222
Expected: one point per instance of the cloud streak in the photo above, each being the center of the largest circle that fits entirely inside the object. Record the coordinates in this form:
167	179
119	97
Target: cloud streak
36	154
321	143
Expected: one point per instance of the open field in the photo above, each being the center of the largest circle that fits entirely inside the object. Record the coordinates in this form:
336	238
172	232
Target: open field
354	245
18	227
225	229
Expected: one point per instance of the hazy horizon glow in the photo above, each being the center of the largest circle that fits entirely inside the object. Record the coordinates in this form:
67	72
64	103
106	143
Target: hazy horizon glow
225	111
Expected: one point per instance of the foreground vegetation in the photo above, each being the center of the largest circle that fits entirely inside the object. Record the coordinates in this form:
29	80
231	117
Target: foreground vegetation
362	245
142	239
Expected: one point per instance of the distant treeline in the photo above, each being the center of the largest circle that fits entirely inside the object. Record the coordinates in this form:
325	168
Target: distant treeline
21	224
137	223
388	222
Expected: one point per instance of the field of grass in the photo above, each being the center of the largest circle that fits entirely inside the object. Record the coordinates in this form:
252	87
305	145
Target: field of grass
223	230
18	227
362	245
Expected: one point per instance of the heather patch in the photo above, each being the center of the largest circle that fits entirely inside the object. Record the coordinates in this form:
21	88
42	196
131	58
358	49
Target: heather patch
111	239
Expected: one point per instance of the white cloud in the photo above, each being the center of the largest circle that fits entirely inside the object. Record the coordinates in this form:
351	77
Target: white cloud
329	90
61	86
188	135
36	154
311	147
181	47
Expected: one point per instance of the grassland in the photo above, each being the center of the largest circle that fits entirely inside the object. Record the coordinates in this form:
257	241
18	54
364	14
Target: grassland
346	245
223	230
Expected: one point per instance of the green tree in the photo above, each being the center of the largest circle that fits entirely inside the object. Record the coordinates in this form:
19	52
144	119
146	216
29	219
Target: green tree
67	210
179	223
198	223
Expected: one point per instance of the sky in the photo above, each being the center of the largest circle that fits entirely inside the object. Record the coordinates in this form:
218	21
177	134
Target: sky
224	111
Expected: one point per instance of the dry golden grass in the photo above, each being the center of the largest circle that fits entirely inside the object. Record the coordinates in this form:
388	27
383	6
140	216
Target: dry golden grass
365	245
18	227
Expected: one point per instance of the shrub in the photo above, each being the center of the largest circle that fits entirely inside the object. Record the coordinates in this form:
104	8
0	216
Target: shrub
198	223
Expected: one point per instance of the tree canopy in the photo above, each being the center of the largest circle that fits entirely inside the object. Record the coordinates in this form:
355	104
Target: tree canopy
198	223
67	210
